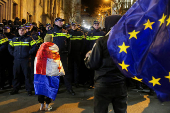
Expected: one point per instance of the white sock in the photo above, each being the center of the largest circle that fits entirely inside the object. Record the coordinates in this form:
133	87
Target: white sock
42	105
47	105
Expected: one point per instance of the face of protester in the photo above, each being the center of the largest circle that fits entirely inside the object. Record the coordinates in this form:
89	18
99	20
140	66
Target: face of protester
6	30
96	26
59	23
74	27
21	32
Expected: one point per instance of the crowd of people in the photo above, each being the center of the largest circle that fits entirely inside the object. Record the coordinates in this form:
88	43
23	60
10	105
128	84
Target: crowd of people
19	42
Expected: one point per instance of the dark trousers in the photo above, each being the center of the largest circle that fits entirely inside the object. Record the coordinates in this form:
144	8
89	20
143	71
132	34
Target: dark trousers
21	65
42	99
2	74
6	70
67	77
104	94
74	60
91	77
9	68
32	68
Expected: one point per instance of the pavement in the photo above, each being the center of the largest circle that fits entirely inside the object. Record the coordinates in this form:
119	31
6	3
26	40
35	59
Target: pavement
82	102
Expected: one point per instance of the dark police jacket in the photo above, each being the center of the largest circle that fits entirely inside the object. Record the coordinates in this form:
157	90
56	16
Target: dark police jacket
92	36
3	44
105	69
59	38
76	41
21	47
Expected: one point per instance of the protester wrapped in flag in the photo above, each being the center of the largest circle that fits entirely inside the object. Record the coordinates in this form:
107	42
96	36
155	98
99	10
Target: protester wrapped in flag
48	69
139	45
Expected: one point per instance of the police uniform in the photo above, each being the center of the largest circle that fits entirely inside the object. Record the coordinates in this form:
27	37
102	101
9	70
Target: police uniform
21	48
74	58
9	58
38	41
60	38
91	38
3	47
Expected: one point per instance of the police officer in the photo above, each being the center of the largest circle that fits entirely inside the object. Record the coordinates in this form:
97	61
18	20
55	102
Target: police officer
74	59
91	38
9	58
32	31
21	48
47	28
60	38
68	27
3	47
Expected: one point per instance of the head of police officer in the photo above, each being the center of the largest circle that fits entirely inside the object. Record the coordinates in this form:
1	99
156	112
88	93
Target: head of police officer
96	25
68	26
59	22
6	29
22	30
74	26
48	26
28	27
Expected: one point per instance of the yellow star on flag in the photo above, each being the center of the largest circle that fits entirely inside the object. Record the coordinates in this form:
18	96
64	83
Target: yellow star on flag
148	24
155	81
168	21
124	66
135	78
123	48
168	77
133	34
162	20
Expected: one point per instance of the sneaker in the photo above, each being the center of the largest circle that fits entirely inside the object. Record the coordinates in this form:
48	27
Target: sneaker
42	108
49	108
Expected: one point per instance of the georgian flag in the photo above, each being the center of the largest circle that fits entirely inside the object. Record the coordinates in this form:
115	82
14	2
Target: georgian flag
47	70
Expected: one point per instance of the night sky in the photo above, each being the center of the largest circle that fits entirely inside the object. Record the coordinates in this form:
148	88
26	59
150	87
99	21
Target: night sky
92	4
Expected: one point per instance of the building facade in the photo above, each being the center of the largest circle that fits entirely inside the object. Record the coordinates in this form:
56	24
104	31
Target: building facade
121	6
72	11
39	11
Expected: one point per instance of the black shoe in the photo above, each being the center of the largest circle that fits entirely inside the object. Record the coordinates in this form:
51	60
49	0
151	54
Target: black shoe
71	92
29	93
13	92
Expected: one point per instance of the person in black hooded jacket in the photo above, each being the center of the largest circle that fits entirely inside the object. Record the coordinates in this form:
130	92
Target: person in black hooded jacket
110	84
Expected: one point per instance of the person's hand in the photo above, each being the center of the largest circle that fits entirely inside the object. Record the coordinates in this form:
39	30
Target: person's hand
88	53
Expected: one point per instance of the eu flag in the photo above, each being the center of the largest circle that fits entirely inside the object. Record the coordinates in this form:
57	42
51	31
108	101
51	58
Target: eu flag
140	45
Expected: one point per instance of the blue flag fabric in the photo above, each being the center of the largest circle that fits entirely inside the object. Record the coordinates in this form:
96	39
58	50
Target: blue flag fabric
140	45
46	85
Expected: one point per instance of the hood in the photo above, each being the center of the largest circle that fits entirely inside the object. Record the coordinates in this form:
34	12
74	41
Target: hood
110	21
